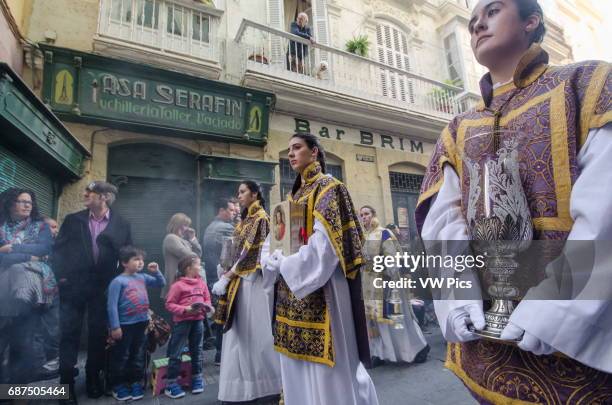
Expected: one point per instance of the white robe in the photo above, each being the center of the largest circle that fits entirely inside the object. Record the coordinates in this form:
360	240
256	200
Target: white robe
306	383
579	328
394	344
250	367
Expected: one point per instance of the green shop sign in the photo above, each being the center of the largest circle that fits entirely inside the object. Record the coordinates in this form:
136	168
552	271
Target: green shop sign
103	91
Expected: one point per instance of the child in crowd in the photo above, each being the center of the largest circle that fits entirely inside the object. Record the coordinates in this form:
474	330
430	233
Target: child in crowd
128	316
188	300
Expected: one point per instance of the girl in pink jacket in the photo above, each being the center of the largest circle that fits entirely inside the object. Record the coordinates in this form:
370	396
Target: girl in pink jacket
188	300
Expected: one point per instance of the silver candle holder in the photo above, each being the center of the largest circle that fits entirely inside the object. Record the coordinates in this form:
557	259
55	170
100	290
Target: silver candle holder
394	307
499	222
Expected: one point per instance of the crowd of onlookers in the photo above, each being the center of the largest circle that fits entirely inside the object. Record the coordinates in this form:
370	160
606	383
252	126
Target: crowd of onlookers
52	280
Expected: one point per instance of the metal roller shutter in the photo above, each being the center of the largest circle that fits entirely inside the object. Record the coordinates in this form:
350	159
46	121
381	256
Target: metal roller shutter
16	172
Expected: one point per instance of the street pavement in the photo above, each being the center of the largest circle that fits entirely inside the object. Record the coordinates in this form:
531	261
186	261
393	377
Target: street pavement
428	383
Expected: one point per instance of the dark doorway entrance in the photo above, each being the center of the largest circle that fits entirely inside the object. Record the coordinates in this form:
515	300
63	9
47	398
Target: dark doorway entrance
155	182
405	193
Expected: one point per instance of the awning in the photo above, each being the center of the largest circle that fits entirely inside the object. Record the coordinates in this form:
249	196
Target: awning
30	129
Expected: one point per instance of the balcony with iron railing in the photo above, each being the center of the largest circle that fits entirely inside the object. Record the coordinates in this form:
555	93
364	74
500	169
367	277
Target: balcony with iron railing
175	30
282	57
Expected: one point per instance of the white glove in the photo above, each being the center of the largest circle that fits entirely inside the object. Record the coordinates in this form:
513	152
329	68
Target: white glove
527	341
220	270
220	287
274	261
460	318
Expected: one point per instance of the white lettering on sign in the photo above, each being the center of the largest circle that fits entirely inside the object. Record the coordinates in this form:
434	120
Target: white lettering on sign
366	158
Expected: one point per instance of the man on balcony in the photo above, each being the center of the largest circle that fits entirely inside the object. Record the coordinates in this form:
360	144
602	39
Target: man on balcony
298	51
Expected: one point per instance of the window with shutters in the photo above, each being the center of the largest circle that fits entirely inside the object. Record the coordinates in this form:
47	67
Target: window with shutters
451	50
392	46
161	24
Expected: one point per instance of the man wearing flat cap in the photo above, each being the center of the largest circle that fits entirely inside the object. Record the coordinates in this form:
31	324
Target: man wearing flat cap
86	260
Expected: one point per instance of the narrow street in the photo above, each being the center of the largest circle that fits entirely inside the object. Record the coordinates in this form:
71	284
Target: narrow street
419	384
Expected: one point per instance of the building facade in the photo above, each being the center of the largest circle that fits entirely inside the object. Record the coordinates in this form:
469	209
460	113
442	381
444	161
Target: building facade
178	100
37	151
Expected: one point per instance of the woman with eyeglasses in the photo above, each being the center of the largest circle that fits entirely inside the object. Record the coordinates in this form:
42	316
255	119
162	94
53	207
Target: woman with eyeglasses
27	286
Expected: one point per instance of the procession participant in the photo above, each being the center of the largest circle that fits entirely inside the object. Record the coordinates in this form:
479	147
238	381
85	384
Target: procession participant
249	365
319	326
566	112
388	340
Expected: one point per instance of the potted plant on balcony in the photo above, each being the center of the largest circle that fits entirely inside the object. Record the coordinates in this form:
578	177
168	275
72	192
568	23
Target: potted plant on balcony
442	96
358	45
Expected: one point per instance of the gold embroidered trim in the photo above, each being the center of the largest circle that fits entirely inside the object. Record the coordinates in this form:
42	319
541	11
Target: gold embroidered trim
591	96
492	396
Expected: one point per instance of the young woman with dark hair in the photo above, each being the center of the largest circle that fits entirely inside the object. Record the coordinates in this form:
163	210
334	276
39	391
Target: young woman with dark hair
319	328
566	114
249	365
394	340
249	186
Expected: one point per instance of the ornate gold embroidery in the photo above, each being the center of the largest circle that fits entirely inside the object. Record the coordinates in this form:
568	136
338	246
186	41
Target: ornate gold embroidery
249	235
303	327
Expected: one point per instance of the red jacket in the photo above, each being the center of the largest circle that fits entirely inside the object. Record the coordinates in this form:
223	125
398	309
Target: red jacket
184	292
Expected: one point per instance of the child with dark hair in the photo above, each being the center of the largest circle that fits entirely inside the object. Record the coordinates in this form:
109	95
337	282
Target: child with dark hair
188	300
128	317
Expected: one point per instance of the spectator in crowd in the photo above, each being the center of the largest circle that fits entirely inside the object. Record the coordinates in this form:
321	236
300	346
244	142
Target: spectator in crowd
128	317
85	258
48	332
180	241
25	240
188	300
236	212
297	51
222	227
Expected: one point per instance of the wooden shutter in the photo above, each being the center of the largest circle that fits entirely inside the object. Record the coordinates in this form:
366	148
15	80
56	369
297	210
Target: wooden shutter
320	27
276	18
392	47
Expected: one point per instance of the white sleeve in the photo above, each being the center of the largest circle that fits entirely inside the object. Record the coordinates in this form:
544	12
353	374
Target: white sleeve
582	328
445	222
269	276
312	266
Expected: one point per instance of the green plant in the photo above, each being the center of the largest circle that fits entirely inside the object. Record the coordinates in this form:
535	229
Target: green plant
442	96
358	45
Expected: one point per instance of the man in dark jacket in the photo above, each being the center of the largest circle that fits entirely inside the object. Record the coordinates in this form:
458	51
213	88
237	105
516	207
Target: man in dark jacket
298	51
85	261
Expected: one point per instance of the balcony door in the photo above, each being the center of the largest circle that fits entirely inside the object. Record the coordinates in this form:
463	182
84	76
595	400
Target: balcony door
161	24
282	12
